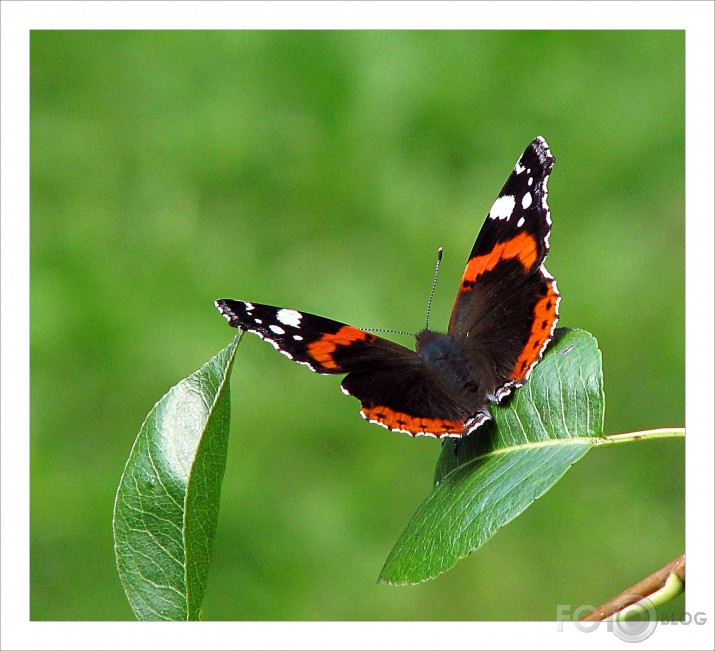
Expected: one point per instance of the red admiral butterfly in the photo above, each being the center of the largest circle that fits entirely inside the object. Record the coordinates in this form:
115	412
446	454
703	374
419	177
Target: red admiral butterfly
503	319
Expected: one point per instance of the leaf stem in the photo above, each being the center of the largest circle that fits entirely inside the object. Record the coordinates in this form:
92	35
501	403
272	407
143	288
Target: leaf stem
658	587
648	434
596	441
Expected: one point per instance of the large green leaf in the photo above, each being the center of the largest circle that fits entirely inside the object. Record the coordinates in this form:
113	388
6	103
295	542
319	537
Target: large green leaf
167	503
486	480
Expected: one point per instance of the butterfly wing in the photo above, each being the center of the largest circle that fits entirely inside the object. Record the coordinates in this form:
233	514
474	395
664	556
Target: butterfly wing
507	305
395	388
324	345
414	399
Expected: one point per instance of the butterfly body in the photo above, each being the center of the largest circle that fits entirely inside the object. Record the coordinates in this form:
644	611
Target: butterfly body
503	318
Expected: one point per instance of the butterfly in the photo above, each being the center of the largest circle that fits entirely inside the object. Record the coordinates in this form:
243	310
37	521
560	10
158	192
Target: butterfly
503	318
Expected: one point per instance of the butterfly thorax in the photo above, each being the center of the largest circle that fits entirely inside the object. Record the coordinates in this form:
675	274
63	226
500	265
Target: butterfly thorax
443	352
435	346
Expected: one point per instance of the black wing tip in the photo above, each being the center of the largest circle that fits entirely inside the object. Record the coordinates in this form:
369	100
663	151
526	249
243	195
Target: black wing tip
222	305
542	150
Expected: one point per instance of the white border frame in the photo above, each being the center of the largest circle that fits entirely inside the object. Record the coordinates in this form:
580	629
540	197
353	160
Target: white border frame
19	17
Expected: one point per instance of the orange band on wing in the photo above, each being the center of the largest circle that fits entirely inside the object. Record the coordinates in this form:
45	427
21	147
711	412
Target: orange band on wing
396	420
544	319
523	247
322	350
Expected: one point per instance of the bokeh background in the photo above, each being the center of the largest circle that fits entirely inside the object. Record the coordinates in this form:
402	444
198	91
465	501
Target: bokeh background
321	171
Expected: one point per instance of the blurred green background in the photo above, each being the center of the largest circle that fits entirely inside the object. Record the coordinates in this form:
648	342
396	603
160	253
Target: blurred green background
321	171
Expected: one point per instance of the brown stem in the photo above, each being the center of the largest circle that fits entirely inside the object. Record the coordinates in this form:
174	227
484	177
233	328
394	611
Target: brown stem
642	589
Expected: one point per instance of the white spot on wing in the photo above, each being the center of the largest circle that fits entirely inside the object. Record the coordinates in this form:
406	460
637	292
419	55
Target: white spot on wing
297	337
520	223
519	168
249	306
503	207
289	317
526	200
277	329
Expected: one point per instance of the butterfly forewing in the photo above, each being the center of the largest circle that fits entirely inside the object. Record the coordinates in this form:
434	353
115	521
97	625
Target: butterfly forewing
324	345
507	305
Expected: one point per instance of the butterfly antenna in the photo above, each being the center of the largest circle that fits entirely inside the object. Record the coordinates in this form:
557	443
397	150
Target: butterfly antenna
394	332
429	302
434	284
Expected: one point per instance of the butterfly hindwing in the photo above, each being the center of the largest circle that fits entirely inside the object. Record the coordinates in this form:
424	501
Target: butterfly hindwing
414	399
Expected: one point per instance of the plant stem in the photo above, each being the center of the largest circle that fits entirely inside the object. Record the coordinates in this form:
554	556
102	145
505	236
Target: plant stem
645	588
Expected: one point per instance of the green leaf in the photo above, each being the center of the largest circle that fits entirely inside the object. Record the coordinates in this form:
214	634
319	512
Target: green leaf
166	508
486	480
